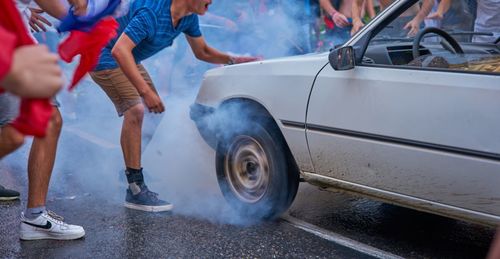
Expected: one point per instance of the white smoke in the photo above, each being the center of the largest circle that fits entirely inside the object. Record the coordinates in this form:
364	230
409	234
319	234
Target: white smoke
178	164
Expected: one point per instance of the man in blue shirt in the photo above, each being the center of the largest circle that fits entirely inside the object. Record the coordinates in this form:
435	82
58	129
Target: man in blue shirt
147	28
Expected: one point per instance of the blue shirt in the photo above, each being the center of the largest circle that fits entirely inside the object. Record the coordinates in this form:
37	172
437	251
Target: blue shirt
148	24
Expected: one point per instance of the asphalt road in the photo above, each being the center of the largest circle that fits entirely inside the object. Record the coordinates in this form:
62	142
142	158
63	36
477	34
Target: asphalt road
88	189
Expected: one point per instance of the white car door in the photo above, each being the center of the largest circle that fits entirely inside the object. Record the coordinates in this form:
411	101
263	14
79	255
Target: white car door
419	134
426	134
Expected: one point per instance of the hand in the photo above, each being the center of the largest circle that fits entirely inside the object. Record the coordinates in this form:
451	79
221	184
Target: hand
37	21
242	59
79	7
413	26
356	26
340	20
34	73
435	16
153	101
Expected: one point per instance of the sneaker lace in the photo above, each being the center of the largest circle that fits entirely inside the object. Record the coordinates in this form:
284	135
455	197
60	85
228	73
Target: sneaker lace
57	218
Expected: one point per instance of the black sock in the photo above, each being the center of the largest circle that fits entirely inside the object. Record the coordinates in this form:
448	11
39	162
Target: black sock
135	179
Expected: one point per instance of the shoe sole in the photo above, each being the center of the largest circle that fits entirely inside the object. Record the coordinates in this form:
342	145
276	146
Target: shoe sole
149	208
9	198
40	235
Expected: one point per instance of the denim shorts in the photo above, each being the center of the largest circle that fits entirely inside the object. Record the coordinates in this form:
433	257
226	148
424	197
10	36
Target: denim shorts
9	108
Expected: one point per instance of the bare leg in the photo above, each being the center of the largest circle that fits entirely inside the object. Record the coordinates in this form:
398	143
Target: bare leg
131	136
41	161
10	140
138	196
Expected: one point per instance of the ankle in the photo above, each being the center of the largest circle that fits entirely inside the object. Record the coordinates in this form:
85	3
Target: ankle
135	179
134	175
33	213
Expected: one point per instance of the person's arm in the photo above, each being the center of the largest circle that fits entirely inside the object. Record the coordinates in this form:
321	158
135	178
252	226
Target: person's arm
122	53
414	25
208	54
357	23
338	18
79	6
53	7
443	7
57	10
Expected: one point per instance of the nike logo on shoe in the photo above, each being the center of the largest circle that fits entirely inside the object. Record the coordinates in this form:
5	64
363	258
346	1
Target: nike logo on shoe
46	226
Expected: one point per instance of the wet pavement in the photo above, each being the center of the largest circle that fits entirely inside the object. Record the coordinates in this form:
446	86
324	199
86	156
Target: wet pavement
115	232
400	231
88	189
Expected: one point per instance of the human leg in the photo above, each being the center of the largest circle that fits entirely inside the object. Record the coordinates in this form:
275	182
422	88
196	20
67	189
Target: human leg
41	161
37	222
131	136
10	138
128	103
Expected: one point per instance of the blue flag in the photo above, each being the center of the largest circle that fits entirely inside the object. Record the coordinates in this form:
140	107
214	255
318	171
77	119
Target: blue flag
96	10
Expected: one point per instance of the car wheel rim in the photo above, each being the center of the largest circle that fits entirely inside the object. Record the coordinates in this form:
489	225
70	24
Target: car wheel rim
247	169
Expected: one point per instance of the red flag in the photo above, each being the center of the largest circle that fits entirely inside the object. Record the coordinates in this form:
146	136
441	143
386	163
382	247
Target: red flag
6	52
34	117
34	114
88	45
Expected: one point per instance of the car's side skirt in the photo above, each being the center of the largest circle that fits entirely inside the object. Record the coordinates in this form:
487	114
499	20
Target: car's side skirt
402	200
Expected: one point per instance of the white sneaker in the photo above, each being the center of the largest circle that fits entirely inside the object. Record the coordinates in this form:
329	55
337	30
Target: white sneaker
48	226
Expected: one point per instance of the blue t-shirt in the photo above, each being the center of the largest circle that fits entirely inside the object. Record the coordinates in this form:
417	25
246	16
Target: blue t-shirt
148	24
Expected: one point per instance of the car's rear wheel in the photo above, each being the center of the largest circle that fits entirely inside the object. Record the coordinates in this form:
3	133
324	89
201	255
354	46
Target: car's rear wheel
254	172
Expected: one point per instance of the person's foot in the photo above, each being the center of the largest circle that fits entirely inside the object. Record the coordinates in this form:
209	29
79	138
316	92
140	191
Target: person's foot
8	195
48	226
146	200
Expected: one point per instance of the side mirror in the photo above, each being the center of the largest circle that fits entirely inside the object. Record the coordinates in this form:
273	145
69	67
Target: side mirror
342	58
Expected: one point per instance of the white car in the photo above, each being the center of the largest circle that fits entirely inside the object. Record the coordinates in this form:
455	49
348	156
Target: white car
412	121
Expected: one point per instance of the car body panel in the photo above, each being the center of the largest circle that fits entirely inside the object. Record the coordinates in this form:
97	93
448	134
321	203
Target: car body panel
281	75
425	139
419	122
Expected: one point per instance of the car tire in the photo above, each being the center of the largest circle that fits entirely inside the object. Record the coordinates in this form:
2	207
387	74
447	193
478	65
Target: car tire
254	170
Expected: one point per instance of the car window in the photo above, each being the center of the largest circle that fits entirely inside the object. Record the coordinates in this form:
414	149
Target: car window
461	35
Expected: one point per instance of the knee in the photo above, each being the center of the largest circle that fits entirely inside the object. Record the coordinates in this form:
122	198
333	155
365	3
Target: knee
135	114
55	123
17	140
56	120
13	138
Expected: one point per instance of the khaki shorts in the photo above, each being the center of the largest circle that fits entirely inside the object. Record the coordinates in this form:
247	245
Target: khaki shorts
119	89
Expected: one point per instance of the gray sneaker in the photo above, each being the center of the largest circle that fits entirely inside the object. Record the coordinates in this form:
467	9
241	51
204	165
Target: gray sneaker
146	200
8	195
